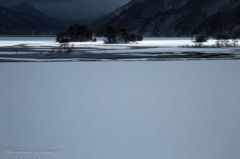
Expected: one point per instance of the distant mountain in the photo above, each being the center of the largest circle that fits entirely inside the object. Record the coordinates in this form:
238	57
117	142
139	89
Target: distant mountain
28	9
174	17
227	21
82	21
97	26
12	23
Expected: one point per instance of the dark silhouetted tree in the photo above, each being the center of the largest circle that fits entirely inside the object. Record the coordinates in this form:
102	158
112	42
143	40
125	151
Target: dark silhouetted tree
139	38
75	33
111	33
199	40
124	34
132	37
79	33
62	38
115	35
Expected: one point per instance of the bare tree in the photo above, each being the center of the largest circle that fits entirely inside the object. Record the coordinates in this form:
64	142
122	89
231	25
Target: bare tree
223	40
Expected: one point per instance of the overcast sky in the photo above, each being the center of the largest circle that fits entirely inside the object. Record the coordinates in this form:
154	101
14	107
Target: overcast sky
70	9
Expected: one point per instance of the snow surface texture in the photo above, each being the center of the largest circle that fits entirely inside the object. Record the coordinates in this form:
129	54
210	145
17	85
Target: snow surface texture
162	44
149	49
121	110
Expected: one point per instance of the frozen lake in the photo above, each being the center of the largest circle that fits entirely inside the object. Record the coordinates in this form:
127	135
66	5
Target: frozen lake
22	49
121	110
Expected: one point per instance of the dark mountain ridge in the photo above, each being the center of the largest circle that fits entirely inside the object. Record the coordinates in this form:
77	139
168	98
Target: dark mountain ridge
82	21
28	9
13	23
160	18
167	18
24	19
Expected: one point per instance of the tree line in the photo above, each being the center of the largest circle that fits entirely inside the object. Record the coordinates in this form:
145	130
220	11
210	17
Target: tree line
113	34
222	40
75	33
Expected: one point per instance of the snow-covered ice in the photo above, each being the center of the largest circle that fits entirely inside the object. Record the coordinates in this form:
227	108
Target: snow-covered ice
130	110
148	45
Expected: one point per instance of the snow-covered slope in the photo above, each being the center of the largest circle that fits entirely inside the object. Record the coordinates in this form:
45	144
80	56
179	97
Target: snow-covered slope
100	22
168	17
